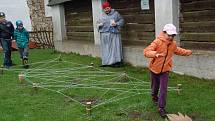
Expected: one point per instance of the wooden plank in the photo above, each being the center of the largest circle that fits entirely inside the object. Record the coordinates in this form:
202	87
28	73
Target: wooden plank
78	5
188	1
80	34
140	18
82	22
198	5
135	42
198	37
134	33
198	27
72	38
134	10
198	45
79	28
205	15
135	36
79	15
139	27
120	4
75	9
125	4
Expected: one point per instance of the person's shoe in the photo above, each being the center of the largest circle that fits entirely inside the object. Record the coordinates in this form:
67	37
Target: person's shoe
7	67
155	100
25	63
162	112
104	66
117	65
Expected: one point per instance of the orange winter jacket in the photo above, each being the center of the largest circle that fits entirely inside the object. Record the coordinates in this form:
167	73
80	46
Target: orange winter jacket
168	49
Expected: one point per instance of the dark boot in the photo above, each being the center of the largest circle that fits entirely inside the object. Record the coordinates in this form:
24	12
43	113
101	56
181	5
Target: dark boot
155	100
25	63
117	64
162	112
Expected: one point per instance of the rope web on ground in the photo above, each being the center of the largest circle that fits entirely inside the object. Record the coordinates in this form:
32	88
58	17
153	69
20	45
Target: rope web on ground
83	83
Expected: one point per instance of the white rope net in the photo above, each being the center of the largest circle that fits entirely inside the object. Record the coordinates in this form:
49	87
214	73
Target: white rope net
84	83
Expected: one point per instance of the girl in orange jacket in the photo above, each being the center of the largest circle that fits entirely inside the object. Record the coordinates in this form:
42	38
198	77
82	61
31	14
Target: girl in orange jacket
160	52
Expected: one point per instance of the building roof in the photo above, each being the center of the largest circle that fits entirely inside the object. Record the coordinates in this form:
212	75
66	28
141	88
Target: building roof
56	2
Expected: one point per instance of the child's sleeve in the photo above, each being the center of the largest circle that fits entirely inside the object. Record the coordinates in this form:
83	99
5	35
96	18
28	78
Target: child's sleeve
27	35
14	35
150	51
182	52
120	21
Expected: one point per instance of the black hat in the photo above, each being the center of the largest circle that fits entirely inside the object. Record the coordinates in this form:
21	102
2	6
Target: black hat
2	14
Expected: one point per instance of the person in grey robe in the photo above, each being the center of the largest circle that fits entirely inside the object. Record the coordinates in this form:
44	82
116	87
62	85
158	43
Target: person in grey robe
109	28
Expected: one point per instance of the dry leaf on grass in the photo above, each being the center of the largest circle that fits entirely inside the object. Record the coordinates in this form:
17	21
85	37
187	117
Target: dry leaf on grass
179	117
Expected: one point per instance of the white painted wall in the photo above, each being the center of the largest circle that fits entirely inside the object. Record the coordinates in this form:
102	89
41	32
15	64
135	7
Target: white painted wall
166	11
97	12
16	10
48	9
59	28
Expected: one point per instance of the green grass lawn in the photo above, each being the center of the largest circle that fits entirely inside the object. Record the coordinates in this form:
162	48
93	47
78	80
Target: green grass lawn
70	81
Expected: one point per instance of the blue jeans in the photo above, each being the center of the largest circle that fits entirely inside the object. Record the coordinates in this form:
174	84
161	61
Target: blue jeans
6	45
23	52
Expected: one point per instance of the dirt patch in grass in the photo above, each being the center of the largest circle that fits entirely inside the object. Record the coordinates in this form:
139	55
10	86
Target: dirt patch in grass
133	115
148	116
75	81
197	117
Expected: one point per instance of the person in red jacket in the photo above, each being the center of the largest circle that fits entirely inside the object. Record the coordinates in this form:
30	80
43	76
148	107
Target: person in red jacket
161	52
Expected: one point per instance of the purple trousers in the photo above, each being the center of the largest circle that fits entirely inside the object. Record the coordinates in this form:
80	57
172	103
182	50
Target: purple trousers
160	81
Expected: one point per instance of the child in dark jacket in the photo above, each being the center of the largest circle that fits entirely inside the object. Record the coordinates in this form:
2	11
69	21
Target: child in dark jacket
21	37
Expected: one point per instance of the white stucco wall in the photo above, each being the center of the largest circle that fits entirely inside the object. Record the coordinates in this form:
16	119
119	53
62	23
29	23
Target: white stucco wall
59	28
48	9
97	12
16	10
166	12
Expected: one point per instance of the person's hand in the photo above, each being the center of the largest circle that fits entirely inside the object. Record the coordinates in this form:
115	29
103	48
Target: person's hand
189	52
113	24
13	40
100	24
159	55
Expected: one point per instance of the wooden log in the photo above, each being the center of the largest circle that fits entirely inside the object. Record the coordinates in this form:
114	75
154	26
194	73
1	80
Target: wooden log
139	27
139	18
81	22
80	34
196	16
198	27
79	28
198	37
198	45
198	5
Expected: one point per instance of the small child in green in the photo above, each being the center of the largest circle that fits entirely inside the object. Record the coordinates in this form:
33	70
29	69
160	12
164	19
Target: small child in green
21	36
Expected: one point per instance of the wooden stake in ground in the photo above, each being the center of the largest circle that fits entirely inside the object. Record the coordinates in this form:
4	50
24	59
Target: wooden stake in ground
35	87
89	107
21	78
179	89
